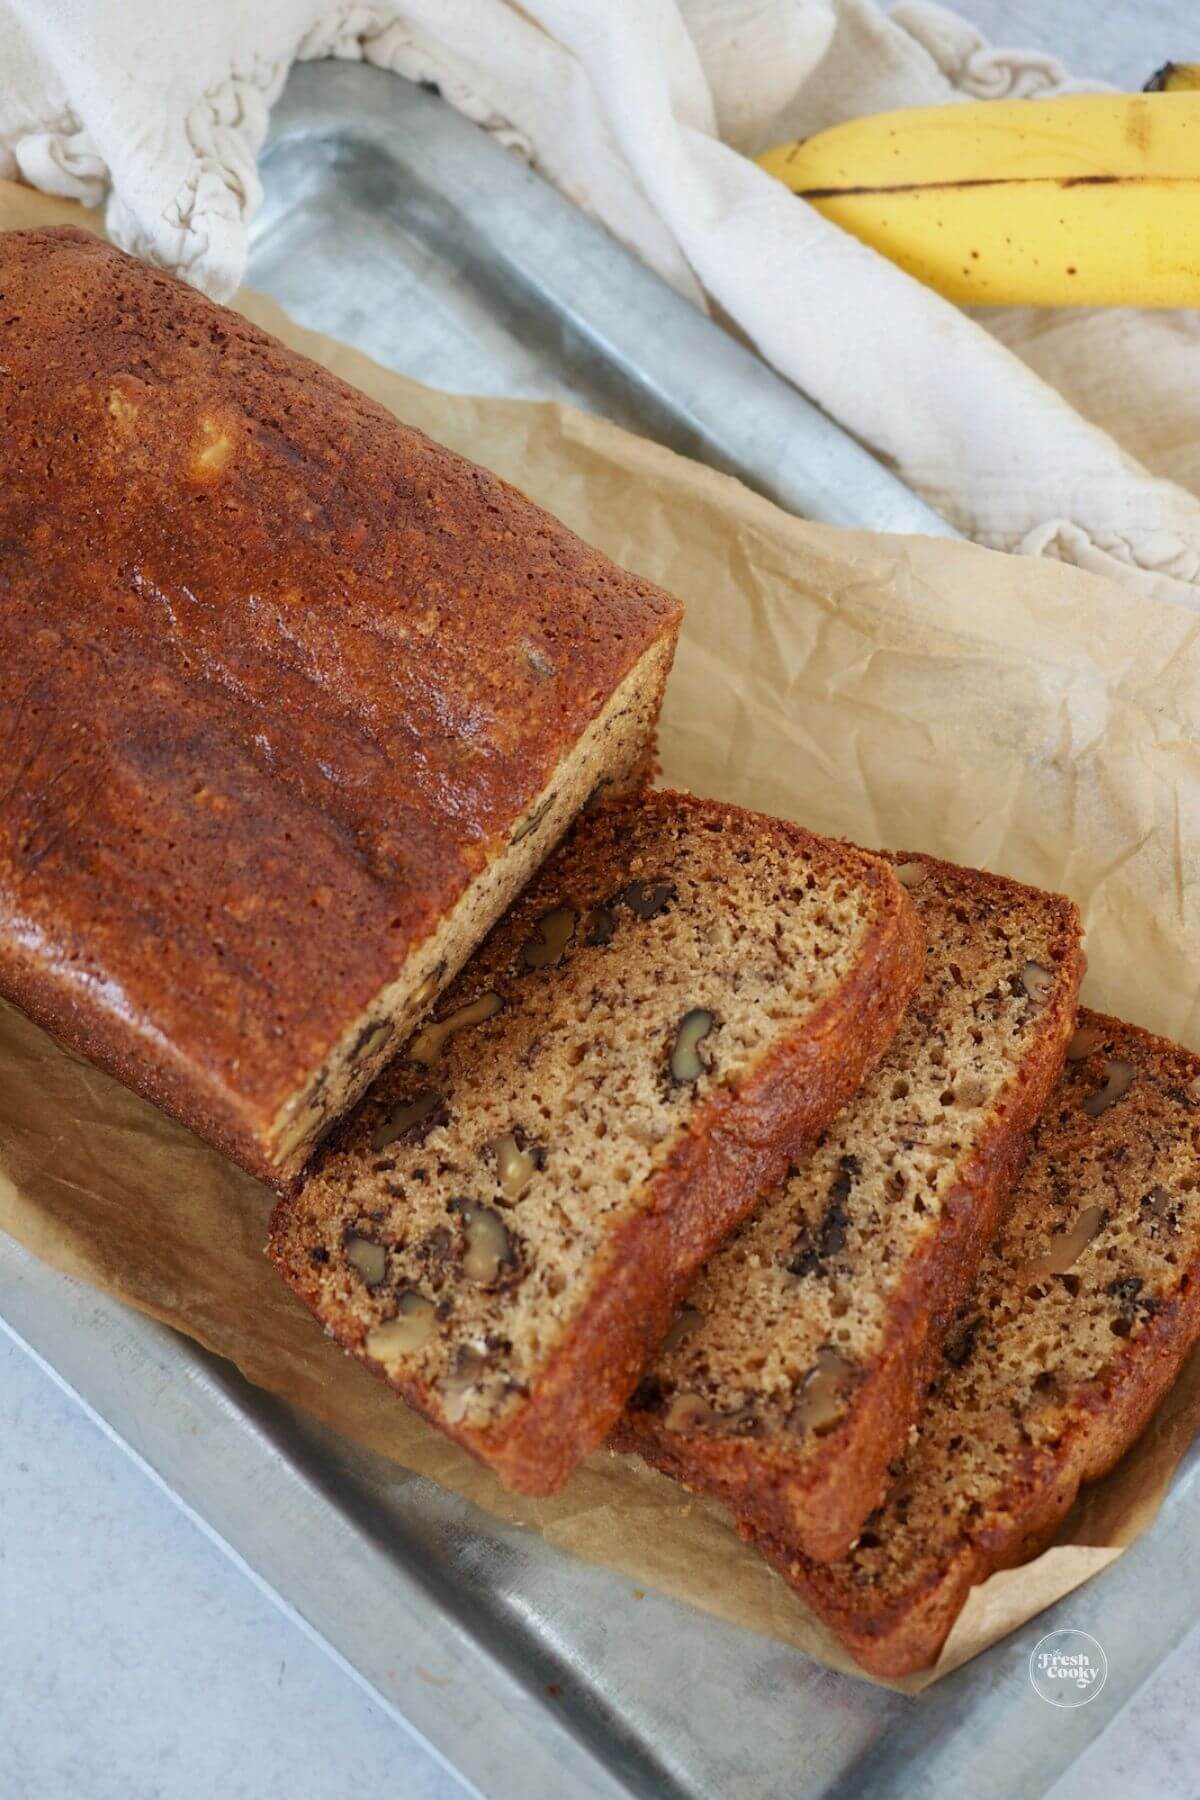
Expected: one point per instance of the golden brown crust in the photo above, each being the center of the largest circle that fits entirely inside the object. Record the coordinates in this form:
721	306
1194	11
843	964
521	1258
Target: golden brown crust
902	1628
736	1143
820	1503
280	676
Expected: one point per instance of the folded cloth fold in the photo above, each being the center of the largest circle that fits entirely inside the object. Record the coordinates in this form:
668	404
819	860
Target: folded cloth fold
1074	435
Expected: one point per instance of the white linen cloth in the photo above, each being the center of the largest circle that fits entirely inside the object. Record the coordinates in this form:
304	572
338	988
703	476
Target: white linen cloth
1073	434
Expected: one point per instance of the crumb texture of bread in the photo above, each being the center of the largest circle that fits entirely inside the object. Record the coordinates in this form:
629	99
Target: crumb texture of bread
1084	1311
795	1370
286	691
685	993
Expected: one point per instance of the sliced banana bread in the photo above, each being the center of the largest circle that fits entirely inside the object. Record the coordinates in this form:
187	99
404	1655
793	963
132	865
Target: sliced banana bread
293	701
792	1376
1083	1313
506	1228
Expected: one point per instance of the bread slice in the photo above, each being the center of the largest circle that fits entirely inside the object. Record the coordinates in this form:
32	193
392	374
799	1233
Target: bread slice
505	1231
791	1378
293	701
1082	1316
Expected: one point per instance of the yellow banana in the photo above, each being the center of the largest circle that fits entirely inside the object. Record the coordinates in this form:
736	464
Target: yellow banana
1086	200
1175	78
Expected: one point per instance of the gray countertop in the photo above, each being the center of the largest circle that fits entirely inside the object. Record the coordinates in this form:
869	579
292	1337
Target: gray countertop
137	1662
1121	41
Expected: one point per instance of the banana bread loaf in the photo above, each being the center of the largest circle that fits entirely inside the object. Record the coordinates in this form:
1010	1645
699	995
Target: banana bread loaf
1082	1316
792	1376
293	700
506	1228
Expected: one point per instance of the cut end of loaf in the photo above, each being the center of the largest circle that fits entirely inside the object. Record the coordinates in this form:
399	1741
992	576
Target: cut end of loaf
611	754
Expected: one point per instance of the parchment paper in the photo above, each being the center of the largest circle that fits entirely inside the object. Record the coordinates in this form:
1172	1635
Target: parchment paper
912	692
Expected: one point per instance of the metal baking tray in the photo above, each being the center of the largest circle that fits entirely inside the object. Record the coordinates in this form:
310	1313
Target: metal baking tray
393	224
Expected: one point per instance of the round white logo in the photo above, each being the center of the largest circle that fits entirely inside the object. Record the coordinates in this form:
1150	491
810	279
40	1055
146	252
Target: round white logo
1068	1668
